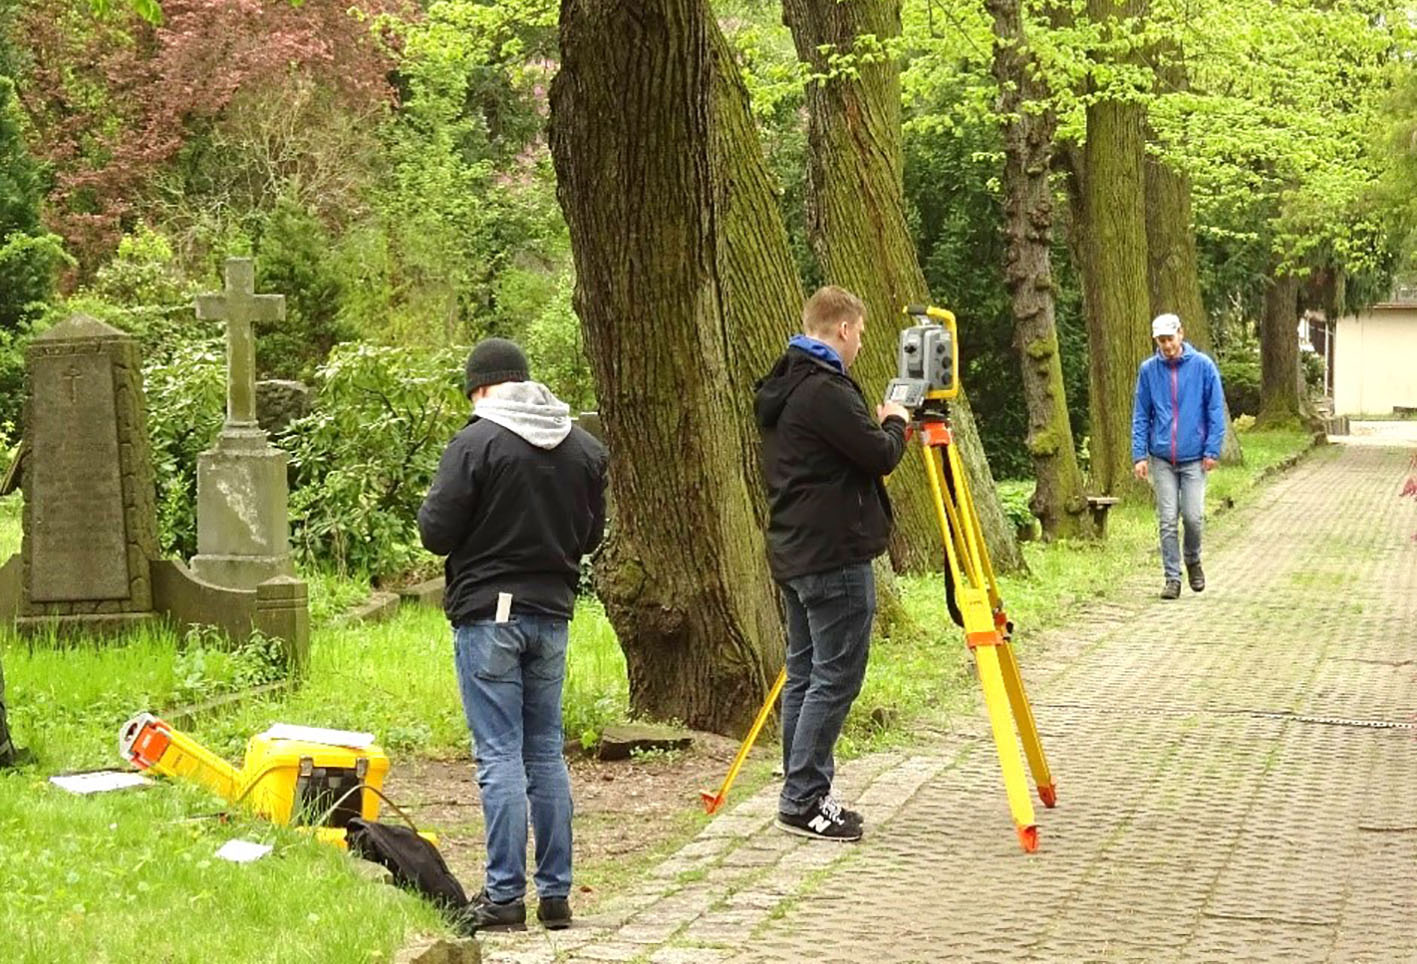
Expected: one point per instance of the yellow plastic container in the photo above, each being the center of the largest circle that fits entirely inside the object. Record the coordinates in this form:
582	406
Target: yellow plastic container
312	784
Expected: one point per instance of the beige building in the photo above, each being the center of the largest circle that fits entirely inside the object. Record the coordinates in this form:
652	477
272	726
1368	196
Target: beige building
1374	358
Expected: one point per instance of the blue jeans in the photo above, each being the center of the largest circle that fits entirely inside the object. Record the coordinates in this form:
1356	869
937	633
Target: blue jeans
510	676
1178	487
828	637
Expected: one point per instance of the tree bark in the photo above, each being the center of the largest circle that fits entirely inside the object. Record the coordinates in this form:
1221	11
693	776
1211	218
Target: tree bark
1172	266
684	285
858	232
1058	500
1279	352
1114	266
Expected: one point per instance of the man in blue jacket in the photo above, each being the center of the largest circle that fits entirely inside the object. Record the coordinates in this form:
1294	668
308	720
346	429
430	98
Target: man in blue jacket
1178	426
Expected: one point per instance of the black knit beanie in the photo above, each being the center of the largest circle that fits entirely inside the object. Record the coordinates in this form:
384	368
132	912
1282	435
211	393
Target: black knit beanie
493	361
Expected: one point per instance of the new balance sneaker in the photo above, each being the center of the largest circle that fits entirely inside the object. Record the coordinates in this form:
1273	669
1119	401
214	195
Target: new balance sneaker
825	821
850	817
554	913
1196	575
482	913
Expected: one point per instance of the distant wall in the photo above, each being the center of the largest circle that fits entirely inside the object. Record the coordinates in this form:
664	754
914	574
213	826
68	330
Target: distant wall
1375	361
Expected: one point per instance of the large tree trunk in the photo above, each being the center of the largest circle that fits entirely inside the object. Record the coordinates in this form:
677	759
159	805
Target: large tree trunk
1172	266
672	256
1279	353
1058	501
1114	266
858	233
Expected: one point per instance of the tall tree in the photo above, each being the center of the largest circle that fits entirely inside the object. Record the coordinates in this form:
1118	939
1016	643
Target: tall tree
858	231
1112	187
1173	270
660	178
1029	124
1279	352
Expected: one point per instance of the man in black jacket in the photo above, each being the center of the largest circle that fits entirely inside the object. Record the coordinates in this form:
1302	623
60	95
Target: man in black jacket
823	459
518	500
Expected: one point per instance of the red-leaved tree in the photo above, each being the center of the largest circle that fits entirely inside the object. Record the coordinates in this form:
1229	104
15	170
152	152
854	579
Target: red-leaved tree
112	98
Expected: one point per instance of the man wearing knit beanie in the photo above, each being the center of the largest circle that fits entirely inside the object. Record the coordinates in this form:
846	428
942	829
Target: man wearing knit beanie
518	500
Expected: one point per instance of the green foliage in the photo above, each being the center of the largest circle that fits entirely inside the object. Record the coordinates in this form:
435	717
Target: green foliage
1013	499
208	664
556	353
186	400
1240	376
30	257
293	257
363	460
143	291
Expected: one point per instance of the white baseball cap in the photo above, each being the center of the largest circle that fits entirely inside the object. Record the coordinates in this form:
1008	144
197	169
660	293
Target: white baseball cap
1165	325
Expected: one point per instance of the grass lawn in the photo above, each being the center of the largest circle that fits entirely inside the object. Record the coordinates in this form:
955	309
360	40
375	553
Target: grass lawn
132	876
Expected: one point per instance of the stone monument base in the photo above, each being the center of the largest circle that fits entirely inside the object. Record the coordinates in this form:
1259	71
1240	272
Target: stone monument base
82	624
240	572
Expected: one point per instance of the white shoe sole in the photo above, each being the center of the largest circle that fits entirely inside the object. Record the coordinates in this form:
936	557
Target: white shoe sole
810	835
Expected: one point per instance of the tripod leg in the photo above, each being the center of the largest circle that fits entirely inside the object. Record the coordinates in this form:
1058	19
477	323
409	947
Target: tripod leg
996	699
1027	727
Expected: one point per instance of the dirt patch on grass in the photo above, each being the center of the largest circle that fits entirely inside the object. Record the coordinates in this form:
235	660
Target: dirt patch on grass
627	812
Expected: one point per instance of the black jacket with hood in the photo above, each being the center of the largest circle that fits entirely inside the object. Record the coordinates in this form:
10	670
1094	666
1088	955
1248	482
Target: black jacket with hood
823	459
516	503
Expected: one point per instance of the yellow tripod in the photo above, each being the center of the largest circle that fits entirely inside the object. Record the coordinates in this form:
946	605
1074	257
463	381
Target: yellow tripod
987	628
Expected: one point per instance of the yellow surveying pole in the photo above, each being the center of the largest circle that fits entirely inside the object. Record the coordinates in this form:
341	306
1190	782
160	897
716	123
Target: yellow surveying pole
712	801
976	591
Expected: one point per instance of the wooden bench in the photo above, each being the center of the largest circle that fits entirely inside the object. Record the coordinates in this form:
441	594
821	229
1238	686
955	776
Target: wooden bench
1098	505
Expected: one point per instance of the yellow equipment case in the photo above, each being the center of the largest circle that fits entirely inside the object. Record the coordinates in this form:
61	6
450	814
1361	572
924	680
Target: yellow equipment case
286	781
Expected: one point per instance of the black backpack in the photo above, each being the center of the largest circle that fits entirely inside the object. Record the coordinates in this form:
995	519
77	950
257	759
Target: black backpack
415	863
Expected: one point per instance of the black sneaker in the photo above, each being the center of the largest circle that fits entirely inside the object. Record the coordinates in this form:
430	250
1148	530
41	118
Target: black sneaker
554	913
1172	589
1196	576
851	818
823	822
482	913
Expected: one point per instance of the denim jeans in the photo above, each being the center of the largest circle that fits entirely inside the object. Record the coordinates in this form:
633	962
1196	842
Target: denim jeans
1178	487
510	676
828	636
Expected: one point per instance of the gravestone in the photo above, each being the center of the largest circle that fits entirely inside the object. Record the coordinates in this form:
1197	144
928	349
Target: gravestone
88	560
90	526
243	530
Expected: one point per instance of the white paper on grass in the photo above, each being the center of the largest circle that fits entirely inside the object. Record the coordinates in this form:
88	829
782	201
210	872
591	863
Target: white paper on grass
319	734
243	851
98	781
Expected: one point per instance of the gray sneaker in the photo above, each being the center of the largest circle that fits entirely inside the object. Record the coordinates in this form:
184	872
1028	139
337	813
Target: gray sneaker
1172	589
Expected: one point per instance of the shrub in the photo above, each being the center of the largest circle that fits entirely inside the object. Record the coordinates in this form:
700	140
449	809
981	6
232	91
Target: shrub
186	400
1240	376
363	460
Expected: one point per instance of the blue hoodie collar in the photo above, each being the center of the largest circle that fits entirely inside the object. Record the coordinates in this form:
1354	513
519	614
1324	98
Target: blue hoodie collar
817	349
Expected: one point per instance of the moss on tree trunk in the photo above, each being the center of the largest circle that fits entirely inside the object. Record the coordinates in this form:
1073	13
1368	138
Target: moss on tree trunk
859	235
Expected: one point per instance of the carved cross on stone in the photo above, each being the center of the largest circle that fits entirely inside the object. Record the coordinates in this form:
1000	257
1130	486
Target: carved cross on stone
240	307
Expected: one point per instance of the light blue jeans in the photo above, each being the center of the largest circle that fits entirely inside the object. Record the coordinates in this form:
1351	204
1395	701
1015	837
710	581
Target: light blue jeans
510	676
1180	491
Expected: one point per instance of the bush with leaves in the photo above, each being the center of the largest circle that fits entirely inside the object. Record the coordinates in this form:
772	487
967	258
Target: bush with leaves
363	460
1240	377
186	400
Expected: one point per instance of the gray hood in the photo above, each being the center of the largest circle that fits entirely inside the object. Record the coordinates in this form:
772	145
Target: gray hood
530	410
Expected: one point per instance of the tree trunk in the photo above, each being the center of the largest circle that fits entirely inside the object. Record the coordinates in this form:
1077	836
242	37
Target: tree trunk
1173	274
1058	501
1279	353
673	258
858	233
1114	267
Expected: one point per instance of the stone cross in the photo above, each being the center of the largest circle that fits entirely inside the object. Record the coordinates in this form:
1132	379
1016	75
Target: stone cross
239	306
